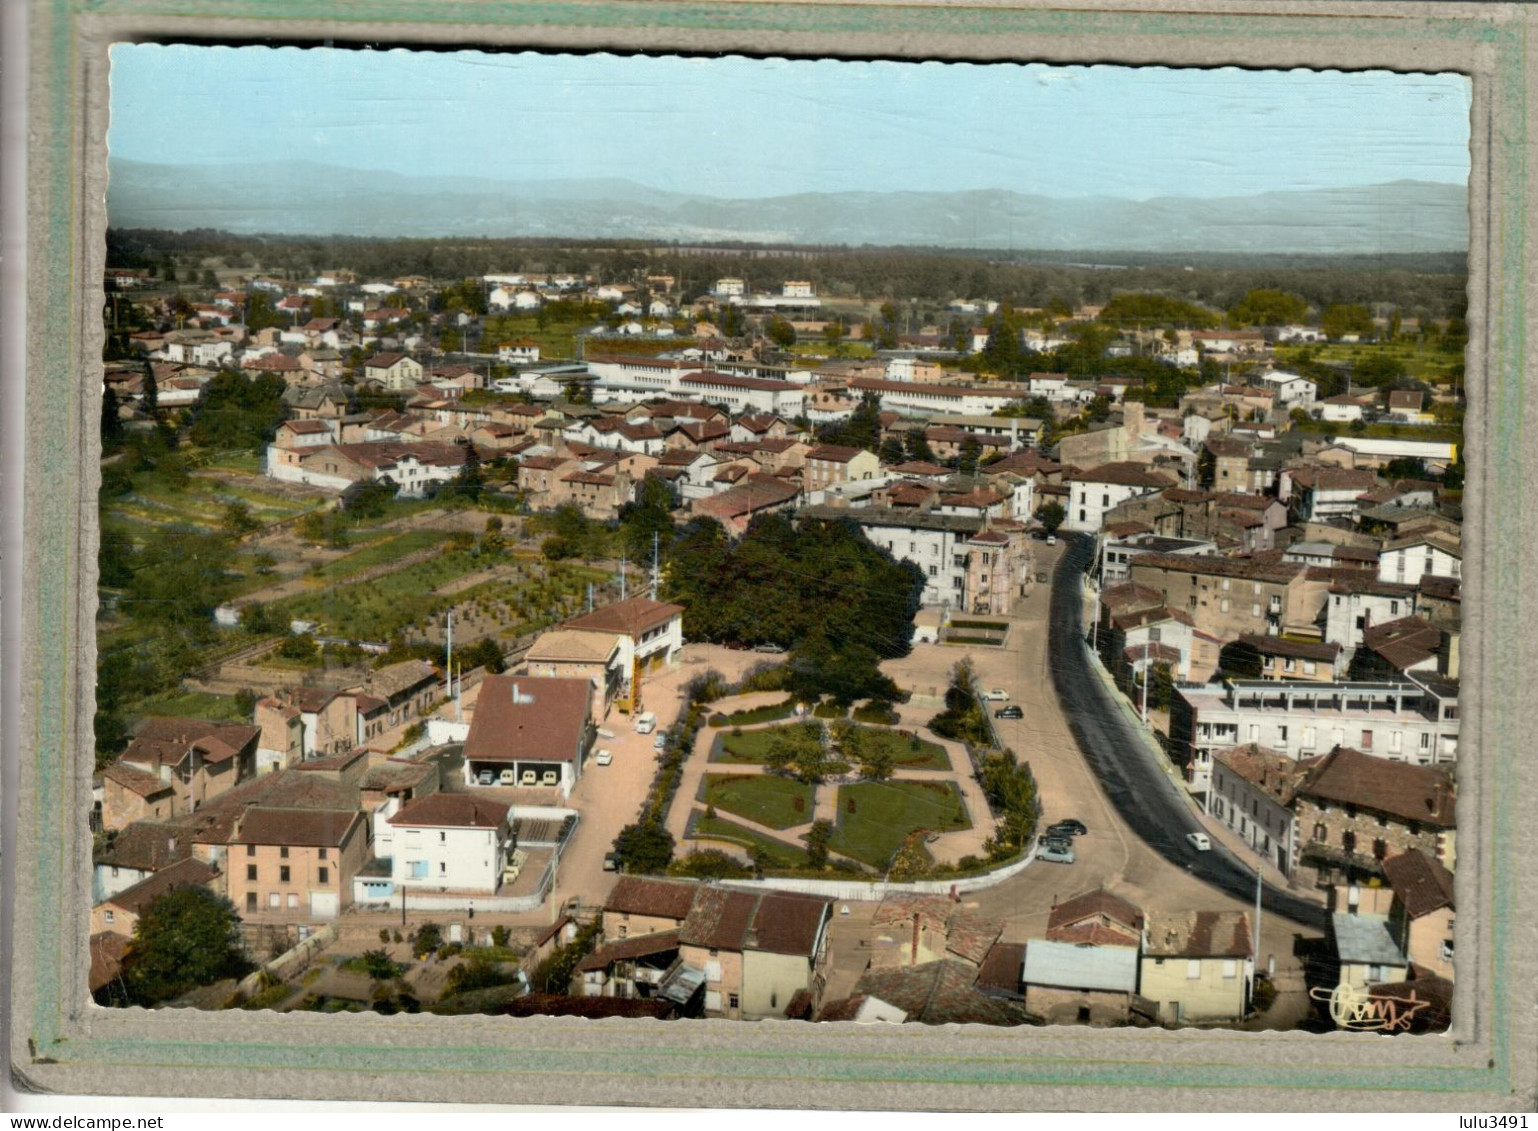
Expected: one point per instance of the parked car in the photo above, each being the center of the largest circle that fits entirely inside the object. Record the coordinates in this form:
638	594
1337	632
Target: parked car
604	757
997	695
1052	539
645	722
610	862
736	646
507	777
660	744
1009	713
1057	851
1068	827
486	777
1200	841
772	649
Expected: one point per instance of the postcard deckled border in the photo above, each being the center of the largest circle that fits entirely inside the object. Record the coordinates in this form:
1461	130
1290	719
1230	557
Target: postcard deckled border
62	1042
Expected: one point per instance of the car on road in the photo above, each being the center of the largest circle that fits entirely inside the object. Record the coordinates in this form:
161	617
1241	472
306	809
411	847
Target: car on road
610	862
997	695
1067	827
771	649
604	757
1200	841
1009	713
1057	851
1052	539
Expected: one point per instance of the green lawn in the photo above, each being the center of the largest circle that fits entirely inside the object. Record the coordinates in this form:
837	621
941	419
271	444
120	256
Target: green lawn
1423	362
751	746
378	553
911	753
886	812
192	705
252	462
765	714
764	798
780	854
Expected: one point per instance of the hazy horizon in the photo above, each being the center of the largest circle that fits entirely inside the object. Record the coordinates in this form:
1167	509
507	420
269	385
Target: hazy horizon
748	129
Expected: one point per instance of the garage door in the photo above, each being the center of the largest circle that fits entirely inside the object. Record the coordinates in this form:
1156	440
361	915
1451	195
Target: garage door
657	661
323	904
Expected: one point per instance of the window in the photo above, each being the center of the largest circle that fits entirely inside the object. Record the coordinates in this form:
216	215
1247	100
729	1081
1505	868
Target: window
274	900
283	852
1281	734
1224	606
283	874
1309	667
322	853
109	917
1425	742
250	901
714	953
251	872
1081	514
1348	842
1193	969
443	868
250	851
1321	834
1367	740
732	1001
1230	968
442	836
293	901
325	875
934	571
1105	500
1255	609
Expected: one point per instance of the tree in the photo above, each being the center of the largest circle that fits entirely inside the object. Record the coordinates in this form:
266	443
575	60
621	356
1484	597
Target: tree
298	646
833	332
817	838
238	520
646	847
967	460
919	449
149	398
781	332
649	518
471	477
891	451
1051	515
485	653
186	938
1267	307
1339	319
111	418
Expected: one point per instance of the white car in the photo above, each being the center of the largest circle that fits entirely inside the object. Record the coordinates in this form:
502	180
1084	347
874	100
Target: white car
1200	841
997	695
1052	539
604	757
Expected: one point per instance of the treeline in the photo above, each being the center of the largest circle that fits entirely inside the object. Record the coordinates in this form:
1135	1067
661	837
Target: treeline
1429	286
818	587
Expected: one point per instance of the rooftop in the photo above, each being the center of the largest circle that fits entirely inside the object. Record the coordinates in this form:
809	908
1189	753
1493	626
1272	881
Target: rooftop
1070	966
1200	934
453	811
1365	940
529	718
631	617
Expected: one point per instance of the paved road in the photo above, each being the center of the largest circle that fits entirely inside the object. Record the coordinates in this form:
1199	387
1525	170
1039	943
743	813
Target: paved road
1154	807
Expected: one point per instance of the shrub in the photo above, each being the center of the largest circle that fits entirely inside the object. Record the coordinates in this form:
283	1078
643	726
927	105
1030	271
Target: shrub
426	939
499	936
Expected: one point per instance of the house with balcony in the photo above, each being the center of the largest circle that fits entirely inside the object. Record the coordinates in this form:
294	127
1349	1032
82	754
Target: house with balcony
1252	794
1403	721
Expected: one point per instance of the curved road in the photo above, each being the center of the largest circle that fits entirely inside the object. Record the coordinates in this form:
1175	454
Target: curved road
1153	806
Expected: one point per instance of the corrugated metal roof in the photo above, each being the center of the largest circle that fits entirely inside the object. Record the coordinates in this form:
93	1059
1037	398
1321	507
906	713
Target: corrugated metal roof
1112	968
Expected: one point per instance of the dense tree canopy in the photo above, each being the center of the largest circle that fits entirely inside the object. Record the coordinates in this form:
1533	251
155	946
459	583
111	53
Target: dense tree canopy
1135	309
238	414
187	938
1266	306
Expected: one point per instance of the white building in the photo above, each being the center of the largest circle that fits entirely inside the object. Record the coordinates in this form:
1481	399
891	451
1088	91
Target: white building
457	842
743	394
1406	561
1409	721
1251	794
729	288
936	543
1094	492
912	398
1291	389
1354	604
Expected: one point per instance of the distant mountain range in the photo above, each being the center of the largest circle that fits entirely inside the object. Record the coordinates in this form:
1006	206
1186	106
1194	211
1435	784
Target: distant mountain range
304	198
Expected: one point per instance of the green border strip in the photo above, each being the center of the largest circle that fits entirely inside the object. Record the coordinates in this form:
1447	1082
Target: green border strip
54	530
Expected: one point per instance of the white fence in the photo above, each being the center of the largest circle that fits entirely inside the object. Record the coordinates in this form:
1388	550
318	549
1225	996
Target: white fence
856	891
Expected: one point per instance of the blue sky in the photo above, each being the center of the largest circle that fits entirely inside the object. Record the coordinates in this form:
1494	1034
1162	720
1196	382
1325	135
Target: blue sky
748	128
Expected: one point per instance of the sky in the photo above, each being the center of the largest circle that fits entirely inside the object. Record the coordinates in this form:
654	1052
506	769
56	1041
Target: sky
745	128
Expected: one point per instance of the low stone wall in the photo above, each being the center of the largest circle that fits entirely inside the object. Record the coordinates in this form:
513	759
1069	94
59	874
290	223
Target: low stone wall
291	963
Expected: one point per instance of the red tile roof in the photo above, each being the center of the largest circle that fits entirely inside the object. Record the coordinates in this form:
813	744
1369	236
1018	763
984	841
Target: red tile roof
321	828
548	723
657	899
184	873
166	740
452	811
1422	884
1423	794
631	617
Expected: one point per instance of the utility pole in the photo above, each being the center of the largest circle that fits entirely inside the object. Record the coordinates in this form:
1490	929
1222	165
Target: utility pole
656	561
1255	936
448	653
1146	670
622	580
589	596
